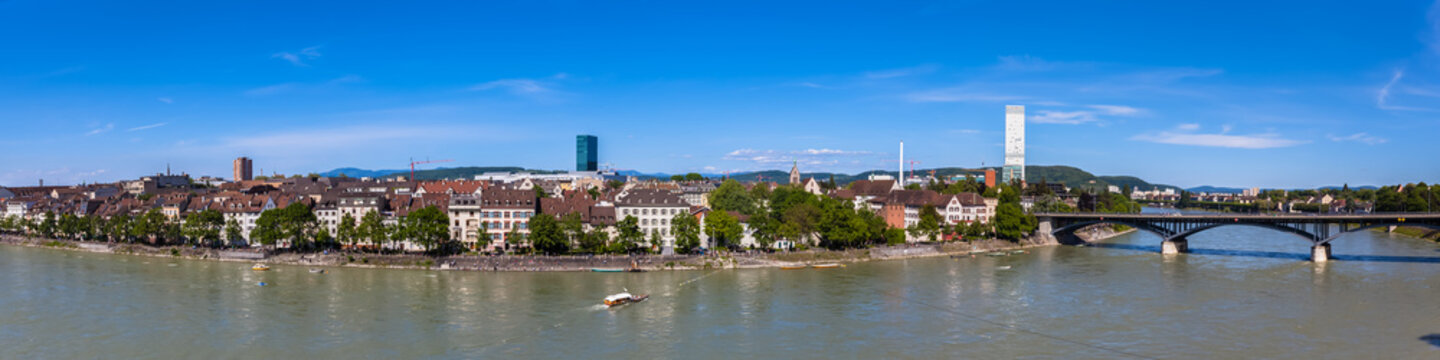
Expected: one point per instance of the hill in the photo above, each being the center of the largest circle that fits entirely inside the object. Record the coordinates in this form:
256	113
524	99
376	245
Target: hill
1068	175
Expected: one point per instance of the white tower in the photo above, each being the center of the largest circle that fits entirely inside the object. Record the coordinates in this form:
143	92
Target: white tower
901	175
1014	144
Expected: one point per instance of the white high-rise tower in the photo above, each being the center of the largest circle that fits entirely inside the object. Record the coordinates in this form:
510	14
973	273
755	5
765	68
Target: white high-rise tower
1014	144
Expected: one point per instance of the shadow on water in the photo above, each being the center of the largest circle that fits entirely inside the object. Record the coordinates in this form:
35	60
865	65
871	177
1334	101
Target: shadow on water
1433	339
1278	255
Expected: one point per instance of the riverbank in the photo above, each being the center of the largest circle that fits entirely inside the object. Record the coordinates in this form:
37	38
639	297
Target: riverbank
530	263
1419	232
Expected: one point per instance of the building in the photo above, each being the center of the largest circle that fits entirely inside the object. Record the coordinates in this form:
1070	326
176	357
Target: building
654	209
587	153
242	169
1014	144
795	174
503	210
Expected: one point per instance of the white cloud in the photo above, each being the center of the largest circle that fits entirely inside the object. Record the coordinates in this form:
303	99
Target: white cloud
959	95
1189	127
165	100
101	130
1359	137
1382	97
298	58
1025	63
902	72
514	86
270	90
1116	110
964	131
535	89
146	127
806	156
1256	141
1063	117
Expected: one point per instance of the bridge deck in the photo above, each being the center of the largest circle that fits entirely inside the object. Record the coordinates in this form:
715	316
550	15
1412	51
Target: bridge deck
1289	218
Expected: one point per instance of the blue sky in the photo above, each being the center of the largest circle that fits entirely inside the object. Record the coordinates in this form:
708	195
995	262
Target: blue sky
1230	93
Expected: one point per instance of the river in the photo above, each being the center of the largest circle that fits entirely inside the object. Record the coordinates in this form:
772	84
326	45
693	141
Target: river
1242	293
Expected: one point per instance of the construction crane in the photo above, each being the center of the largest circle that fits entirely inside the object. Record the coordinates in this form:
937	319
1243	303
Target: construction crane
413	163
912	167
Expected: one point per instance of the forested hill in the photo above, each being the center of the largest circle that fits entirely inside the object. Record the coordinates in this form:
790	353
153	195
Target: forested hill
1068	175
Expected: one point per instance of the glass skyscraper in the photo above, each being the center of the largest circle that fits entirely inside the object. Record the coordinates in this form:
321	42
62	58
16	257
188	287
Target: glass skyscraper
587	154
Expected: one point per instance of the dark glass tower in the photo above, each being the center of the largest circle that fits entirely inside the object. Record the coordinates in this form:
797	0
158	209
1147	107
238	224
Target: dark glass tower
587	154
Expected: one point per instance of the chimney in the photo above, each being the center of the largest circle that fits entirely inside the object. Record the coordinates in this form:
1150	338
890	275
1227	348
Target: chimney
901	175
42	182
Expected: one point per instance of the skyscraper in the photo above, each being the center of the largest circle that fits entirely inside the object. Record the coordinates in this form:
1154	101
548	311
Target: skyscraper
1014	144
242	169
587	155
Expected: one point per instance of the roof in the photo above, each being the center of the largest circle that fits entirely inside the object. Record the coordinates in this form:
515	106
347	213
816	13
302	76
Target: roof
876	188
508	199
650	198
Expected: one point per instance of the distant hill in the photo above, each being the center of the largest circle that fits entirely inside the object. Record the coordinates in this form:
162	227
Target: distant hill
1068	175
1215	190
359	173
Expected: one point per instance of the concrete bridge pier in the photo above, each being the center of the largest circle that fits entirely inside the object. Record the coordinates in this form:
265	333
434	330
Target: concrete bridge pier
1320	252
1175	246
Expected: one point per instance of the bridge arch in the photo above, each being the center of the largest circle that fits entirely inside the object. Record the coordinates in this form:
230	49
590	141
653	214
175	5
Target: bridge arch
1312	238
1070	228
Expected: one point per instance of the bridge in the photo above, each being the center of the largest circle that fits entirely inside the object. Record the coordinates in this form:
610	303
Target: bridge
1320	230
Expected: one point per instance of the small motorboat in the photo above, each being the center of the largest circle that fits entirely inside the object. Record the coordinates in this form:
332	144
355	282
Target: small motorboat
1018	252
826	266
260	267
624	298
792	267
996	254
317	271
606	270
1006	267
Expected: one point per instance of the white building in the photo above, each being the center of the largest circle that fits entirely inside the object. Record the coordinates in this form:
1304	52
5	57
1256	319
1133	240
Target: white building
1014	144
654	208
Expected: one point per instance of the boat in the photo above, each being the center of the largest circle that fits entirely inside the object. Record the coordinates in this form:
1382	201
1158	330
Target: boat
826	266
260	267
792	267
996	254
1018	252
317	271
606	270
1006	267
624	298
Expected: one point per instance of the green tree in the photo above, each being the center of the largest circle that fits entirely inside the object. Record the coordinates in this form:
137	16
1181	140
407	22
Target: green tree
347	232
1011	222
372	230
427	227
514	237
540	193
731	196
204	227
694	177
687	232
546	236
723	229
677	178
629	233
930	222
150	226
574	229
232	231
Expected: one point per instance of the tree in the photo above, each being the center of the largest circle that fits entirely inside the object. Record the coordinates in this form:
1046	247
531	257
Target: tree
346	232
574	229
546	235
1011	222
614	184
629	233
694	177
930	222
540	193
427	227
677	178
323	237
595	193
204	227
763	229
268	229
232	231
150	226
687	232
514	237
723	229
731	196
371	229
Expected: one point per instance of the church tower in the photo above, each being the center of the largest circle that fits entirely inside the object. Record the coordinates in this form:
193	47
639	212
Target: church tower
795	174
